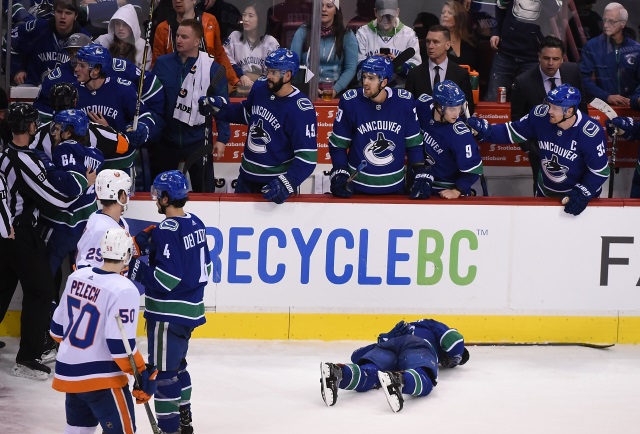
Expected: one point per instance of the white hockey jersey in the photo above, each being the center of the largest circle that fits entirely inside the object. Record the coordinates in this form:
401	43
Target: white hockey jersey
91	354
401	37
249	59
88	251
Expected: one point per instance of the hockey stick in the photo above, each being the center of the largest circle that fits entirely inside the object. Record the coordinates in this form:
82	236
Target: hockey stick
610	113
483	179
361	166
144	65
136	375
542	344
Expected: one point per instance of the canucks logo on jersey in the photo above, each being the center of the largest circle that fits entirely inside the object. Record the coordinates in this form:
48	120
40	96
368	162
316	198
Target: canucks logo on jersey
555	171
379	152
258	138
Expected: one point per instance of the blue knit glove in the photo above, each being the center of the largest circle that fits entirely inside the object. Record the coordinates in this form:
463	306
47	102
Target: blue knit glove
278	190
579	198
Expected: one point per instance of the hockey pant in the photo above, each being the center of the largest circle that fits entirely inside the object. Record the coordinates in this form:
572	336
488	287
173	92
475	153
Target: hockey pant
168	344
111	408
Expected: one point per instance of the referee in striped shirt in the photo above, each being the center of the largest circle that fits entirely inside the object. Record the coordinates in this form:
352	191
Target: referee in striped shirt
23	257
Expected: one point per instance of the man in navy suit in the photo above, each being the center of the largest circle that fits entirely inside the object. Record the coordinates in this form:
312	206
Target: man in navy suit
438	67
531	87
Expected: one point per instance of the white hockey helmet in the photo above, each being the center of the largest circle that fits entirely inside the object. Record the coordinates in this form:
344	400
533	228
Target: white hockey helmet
116	244
109	182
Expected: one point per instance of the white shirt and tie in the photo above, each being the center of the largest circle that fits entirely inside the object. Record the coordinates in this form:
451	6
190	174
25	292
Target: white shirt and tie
437	72
551	83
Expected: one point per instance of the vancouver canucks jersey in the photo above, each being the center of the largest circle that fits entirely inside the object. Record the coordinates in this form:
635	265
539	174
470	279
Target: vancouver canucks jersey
91	355
75	158
282	134
88	252
567	157
378	134
179	268
447	342
450	150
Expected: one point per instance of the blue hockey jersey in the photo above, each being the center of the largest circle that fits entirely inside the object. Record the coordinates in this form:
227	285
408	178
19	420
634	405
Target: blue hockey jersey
381	135
450	150
567	157
282	134
179	268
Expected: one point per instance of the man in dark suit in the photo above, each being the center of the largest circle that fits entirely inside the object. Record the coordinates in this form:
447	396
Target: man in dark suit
439	68
531	87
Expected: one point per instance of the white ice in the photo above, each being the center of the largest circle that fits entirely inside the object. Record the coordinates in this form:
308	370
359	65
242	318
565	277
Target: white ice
273	387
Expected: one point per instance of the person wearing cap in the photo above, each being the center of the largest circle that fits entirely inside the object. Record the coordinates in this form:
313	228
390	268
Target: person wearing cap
573	152
388	36
403	361
38	46
152	94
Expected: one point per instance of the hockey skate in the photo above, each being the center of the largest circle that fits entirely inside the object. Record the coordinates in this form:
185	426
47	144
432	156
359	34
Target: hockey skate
185	421
330	377
31	369
50	349
392	383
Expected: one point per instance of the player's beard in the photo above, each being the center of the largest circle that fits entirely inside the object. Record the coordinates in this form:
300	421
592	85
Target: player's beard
275	87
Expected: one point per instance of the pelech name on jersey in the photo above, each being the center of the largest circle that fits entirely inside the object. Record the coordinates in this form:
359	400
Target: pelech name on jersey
84	290
102	109
264	113
375	126
53	56
194	238
565	153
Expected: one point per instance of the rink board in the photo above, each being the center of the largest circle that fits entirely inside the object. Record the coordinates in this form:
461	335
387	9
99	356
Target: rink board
499	270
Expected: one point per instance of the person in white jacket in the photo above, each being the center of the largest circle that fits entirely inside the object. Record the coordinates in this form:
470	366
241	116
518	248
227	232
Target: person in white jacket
123	39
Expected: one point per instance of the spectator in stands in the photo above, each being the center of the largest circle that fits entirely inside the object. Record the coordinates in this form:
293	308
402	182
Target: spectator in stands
123	40
531	88
517	38
248	48
439	67
610	63
364	14
228	16
386	35
38	46
465	3
421	25
164	41
463	47
338	47
284	18
587	21
185	130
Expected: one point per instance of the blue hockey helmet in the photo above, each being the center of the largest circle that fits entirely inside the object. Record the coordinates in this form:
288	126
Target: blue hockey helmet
95	54
379	65
565	96
448	94
284	60
171	182
72	118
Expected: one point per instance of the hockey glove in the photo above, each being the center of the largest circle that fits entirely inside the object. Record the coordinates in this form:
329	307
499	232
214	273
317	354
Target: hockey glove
481	128
137	270
142	242
421	188
139	136
210	105
147	386
400	329
579	198
623	126
278	190
340	186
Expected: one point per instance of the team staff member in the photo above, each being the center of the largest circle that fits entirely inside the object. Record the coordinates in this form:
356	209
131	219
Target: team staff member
29	190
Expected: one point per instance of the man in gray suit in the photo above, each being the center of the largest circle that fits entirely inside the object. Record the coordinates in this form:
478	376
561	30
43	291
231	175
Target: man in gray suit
531	87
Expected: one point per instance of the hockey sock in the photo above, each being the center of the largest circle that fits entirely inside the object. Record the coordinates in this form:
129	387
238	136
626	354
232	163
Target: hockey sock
416	382
167	401
359	378
185	383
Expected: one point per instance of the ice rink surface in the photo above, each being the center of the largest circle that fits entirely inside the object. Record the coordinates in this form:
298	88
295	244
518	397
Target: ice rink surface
273	387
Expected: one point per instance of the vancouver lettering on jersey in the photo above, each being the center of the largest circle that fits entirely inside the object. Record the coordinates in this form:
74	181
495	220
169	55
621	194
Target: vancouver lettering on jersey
264	113
375	126
105	110
552	147
84	290
430	141
53	56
